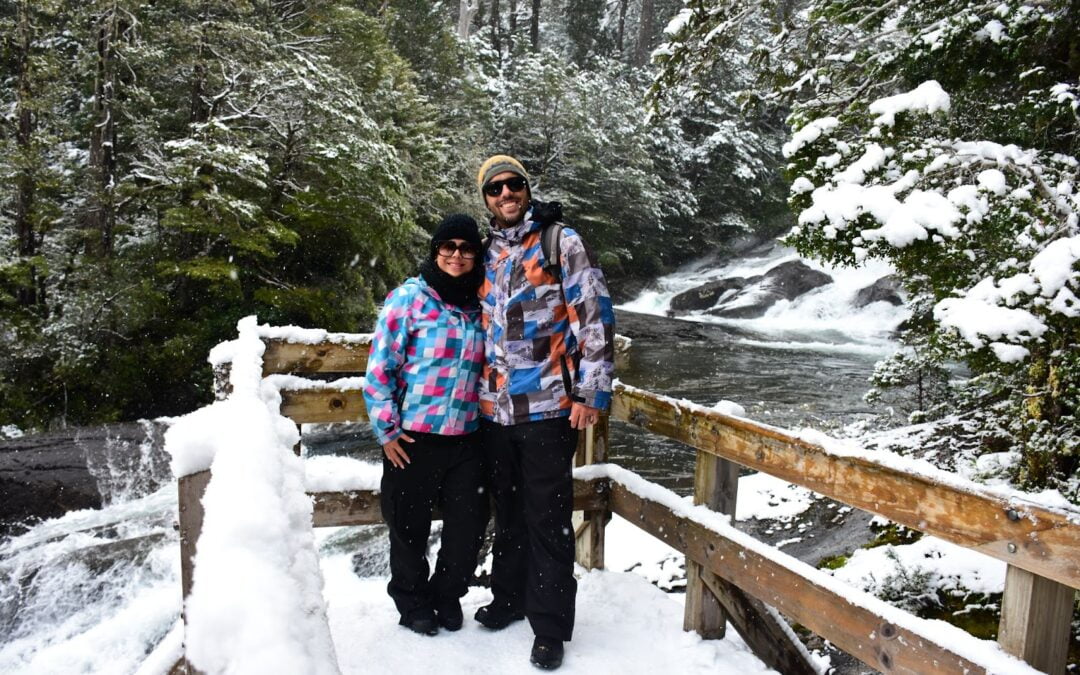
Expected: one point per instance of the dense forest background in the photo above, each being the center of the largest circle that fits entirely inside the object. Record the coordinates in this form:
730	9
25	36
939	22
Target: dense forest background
170	167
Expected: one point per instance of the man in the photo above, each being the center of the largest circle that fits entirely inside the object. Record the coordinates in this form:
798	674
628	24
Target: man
549	358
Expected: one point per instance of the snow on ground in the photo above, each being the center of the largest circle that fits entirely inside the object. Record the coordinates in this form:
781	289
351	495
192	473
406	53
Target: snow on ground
624	625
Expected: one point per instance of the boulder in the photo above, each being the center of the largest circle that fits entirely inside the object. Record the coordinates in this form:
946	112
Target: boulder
46	475
886	289
786	281
707	295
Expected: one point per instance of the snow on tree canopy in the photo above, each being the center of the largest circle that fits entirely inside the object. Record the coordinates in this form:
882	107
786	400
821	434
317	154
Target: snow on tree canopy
808	134
928	97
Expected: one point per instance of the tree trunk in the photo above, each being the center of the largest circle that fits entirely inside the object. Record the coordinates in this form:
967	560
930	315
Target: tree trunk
513	27
27	295
622	24
534	25
288	164
466	12
199	112
102	161
645	33
496	22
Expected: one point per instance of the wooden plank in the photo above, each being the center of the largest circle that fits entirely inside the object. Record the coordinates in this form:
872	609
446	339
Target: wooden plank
716	485
855	629
1036	619
325	357
591	495
333	509
323	405
702	612
361	507
763	630
1031	537
191	489
282	356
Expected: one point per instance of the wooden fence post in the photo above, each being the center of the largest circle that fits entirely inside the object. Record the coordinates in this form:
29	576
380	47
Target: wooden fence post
191	489
716	485
712	602
589	525
1036	618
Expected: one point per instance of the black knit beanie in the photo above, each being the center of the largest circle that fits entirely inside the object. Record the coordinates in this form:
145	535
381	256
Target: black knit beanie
456	226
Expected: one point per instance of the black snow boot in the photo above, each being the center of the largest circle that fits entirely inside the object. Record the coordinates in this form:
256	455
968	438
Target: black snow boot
497	616
547	653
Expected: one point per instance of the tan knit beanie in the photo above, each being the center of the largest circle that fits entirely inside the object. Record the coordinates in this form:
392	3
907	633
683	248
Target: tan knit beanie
497	164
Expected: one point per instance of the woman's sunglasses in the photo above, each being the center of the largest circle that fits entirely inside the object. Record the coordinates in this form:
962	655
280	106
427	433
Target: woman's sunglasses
494	188
468	251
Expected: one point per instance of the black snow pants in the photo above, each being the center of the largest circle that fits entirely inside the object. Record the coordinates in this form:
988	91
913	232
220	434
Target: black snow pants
529	467
446	471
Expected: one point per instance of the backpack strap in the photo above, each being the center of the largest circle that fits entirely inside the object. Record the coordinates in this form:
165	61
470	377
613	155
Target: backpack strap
550	236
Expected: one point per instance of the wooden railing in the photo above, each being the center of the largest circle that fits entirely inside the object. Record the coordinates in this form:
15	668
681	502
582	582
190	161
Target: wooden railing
730	577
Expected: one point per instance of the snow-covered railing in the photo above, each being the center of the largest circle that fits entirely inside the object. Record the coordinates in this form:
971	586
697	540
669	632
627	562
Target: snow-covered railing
1040	542
730	577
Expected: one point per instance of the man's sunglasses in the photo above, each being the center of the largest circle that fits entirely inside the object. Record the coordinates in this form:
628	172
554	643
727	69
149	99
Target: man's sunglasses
448	248
494	188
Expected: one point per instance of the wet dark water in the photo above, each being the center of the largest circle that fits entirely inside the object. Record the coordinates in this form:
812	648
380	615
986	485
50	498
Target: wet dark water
781	385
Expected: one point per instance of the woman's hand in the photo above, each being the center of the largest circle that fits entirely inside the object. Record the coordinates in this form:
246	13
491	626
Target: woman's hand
395	453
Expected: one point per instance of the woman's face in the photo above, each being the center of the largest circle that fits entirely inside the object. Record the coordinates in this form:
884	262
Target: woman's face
454	262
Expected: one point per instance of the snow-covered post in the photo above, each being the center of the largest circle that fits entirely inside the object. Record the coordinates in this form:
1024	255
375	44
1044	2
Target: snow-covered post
1036	618
246	529
716	485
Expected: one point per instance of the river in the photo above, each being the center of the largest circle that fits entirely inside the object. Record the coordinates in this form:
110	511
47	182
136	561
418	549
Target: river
95	590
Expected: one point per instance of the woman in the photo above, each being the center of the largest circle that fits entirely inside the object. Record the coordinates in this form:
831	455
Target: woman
421	394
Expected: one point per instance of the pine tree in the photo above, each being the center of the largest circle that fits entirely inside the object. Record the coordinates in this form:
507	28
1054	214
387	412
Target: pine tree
942	137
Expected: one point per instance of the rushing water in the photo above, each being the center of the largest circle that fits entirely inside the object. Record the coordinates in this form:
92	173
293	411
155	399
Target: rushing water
805	363
95	591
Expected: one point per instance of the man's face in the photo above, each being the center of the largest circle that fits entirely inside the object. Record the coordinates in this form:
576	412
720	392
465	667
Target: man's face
507	206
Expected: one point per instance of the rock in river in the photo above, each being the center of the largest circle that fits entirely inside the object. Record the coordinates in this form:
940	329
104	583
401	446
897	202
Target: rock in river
47	475
786	281
704	297
886	289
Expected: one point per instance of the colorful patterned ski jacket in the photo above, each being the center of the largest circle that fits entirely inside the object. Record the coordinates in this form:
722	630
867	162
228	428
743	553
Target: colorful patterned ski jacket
546	345
424	365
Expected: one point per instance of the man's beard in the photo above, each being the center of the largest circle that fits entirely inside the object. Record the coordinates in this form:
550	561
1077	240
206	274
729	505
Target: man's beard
502	223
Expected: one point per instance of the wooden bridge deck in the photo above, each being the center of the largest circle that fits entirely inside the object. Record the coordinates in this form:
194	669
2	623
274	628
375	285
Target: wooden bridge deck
624	625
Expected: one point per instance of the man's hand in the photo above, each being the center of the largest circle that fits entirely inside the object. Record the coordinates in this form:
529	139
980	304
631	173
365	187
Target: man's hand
395	453
582	416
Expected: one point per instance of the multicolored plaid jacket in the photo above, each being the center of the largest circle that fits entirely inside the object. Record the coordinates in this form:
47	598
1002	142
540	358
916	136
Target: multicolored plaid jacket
424	365
546	344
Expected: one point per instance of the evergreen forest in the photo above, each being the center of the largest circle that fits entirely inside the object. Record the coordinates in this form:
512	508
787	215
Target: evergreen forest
170	166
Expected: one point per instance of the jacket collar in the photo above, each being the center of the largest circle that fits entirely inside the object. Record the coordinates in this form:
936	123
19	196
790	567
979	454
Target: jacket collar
427	289
514	235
